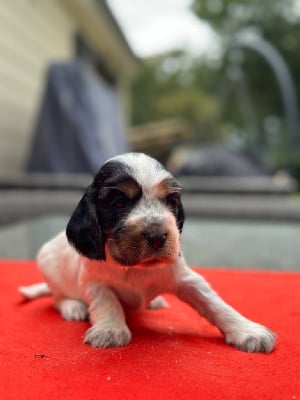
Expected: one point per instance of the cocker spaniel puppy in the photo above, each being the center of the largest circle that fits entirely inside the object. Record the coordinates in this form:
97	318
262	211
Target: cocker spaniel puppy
121	251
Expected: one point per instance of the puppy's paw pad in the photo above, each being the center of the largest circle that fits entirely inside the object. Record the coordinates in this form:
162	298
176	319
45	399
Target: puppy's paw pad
98	336
254	339
72	310
157	303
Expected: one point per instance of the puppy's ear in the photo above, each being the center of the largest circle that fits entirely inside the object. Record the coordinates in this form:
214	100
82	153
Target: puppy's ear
180	216
84	231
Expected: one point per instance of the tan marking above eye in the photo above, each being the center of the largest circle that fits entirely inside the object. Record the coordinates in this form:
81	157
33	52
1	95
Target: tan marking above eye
130	188
165	187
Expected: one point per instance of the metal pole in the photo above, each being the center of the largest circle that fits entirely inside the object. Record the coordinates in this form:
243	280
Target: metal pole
285	81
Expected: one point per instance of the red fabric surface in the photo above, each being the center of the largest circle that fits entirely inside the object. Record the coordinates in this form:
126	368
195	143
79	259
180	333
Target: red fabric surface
175	354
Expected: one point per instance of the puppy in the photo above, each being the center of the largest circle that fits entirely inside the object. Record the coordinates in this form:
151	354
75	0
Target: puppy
121	250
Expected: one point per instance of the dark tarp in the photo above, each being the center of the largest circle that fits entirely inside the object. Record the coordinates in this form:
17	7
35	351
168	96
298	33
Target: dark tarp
219	160
79	125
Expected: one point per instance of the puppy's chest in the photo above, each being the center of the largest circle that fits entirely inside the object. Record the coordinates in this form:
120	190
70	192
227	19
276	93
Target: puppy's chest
135	292
132	299
134	288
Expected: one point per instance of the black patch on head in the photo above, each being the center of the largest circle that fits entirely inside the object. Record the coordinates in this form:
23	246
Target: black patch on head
113	202
97	212
180	217
112	173
173	201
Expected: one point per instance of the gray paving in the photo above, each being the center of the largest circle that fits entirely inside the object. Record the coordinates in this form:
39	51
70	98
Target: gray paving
271	208
206	242
242	244
19	204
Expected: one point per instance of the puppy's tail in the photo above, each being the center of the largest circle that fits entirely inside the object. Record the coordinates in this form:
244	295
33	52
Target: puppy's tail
34	291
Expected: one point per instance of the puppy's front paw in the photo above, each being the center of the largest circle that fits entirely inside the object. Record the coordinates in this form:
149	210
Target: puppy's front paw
100	335
252	338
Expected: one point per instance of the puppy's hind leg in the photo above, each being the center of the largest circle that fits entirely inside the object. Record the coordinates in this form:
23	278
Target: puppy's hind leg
72	309
34	291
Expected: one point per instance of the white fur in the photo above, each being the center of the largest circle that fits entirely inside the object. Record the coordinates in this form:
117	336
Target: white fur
146	169
105	290
34	291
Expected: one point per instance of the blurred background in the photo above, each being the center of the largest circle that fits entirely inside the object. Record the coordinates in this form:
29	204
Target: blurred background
209	87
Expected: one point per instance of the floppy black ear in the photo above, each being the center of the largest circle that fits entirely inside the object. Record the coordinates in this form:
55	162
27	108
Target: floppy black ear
84	231
180	216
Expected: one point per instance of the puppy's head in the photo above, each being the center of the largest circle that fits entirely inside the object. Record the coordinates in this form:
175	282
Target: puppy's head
132	210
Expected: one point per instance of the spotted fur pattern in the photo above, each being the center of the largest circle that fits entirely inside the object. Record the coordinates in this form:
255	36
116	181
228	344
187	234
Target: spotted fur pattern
121	251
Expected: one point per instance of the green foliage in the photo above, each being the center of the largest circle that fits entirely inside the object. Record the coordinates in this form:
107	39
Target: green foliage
232	15
278	22
174	85
180	85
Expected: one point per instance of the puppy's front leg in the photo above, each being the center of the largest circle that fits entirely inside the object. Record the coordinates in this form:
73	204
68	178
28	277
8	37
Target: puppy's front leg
107	317
246	335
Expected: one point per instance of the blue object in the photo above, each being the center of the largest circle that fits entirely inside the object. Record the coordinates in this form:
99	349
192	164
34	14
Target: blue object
79	125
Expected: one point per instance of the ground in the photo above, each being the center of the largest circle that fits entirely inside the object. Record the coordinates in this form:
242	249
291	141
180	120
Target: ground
206	242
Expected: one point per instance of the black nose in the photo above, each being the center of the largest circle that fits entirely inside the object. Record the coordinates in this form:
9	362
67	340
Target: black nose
156	239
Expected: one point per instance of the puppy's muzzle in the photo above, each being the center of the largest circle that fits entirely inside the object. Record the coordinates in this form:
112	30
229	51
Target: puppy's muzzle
156	240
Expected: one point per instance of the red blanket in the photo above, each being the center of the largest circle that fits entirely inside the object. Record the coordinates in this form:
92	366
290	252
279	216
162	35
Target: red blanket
175	354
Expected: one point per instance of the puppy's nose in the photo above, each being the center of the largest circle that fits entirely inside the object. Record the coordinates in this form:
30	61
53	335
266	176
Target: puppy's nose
155	239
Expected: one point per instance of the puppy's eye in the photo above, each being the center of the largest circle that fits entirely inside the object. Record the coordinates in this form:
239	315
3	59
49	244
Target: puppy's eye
172	200
120	201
